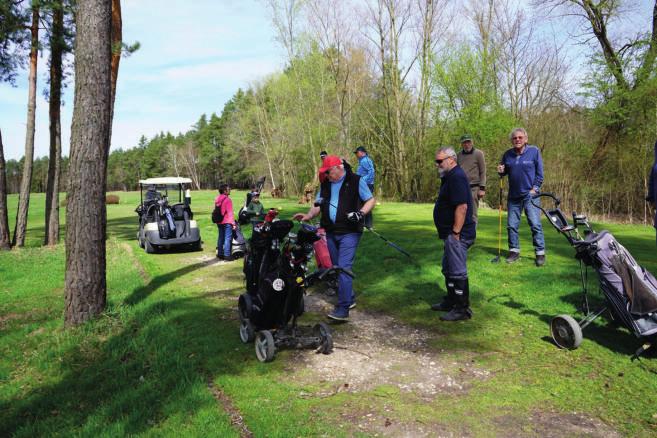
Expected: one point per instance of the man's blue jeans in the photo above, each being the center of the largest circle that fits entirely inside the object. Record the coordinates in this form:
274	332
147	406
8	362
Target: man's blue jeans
515	207
225	239
342	248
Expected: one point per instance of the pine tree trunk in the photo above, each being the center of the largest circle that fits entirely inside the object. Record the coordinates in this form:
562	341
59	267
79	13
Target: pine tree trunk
26	181
5	243
86	217
54	162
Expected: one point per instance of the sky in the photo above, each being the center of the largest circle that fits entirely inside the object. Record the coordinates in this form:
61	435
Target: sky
194	56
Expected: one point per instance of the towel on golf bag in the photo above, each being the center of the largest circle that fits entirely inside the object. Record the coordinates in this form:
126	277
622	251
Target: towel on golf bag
322	255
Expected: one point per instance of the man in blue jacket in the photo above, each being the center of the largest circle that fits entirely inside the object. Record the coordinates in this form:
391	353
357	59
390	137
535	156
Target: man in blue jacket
524	166
365	171
652	187
452	216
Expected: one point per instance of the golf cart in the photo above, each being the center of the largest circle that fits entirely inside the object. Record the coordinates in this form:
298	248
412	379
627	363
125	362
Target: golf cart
165	225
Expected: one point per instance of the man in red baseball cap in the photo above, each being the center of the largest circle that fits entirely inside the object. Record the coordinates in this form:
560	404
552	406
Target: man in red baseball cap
343	201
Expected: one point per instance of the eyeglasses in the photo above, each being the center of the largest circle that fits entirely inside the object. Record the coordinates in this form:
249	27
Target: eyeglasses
518	138
440	161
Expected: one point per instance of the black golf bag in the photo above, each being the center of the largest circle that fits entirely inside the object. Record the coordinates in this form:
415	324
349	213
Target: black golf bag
275	273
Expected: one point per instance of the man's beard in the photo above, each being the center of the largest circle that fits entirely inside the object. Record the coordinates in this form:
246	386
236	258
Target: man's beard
441	172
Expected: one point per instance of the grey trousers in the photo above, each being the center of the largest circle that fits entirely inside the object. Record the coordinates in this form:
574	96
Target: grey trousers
455	257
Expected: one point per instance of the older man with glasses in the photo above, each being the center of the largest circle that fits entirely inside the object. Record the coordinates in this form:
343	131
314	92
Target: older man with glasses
524	167
452	216
343	201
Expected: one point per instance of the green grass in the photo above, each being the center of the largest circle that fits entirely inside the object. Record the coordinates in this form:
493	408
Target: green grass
170	330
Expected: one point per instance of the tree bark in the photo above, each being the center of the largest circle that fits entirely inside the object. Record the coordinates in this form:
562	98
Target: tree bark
85	289
5	243
54	162
26	181
117	45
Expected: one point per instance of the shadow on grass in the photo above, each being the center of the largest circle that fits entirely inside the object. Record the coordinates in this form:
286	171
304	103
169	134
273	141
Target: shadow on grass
156	368
144	292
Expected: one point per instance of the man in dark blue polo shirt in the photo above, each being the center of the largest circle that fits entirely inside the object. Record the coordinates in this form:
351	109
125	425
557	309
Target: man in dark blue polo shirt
452	216
524	167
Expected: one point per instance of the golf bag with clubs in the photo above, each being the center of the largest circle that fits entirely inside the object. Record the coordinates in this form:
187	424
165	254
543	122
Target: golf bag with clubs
629	290
275	272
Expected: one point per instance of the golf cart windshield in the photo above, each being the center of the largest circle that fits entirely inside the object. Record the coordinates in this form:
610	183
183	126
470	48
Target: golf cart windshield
156	188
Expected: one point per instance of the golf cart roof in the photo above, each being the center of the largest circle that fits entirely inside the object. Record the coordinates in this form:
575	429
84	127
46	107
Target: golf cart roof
165	181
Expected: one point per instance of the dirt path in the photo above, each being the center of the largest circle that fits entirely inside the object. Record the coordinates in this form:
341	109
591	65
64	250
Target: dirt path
375	350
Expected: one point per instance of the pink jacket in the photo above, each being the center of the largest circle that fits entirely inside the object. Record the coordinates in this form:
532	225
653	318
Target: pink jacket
226	208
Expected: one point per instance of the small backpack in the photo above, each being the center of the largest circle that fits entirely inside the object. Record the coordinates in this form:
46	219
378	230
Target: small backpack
217	215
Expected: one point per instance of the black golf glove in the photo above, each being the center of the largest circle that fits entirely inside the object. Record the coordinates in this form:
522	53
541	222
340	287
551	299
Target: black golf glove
356	216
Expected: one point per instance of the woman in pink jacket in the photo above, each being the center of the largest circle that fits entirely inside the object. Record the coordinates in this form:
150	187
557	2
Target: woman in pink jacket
227	224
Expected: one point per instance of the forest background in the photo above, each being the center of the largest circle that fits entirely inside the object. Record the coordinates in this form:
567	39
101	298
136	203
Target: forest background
402	77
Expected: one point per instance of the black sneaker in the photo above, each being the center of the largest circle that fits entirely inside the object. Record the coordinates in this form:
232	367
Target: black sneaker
540	260
220	257
443	306
229	258
513	257
457	314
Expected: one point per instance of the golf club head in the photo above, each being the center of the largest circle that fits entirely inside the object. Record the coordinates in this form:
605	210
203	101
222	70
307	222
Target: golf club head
496	260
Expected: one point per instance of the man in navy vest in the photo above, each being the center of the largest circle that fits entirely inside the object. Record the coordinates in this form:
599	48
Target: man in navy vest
343	201
452	216
524	166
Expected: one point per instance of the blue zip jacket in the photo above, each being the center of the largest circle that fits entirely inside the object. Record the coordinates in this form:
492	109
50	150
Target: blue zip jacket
525	171
366	169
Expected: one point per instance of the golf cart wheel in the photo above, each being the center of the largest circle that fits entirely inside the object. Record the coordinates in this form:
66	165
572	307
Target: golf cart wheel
140	239
566	332
265	348
247	331
323	332
245	306
150	248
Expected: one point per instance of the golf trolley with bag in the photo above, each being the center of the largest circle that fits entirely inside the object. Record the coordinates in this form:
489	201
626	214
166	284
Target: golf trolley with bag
629	290
275	267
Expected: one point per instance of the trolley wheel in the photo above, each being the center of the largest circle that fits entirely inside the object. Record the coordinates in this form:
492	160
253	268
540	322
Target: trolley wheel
247	331
264	346
323	332
566	332
245	306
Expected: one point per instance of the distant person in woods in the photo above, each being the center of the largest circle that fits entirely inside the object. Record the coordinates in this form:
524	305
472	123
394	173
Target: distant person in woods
473	164
366	171
652	187
524	166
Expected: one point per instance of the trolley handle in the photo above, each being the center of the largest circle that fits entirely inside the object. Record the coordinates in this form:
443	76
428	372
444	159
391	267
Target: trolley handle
556	200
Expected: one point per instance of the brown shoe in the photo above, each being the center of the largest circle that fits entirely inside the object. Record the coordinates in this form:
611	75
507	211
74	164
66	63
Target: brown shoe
513	257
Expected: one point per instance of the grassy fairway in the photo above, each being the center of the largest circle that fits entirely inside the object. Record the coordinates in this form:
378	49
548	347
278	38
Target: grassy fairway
165	358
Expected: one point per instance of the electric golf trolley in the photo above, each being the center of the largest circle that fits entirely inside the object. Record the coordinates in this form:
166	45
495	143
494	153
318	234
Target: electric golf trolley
162	224
629	290
275	267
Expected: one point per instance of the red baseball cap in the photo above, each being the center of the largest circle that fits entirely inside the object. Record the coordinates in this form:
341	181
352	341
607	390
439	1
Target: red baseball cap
328	162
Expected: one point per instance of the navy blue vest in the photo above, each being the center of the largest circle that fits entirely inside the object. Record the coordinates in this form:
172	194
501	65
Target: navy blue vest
349	201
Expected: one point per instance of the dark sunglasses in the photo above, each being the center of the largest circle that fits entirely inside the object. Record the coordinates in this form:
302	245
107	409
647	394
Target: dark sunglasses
441	161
